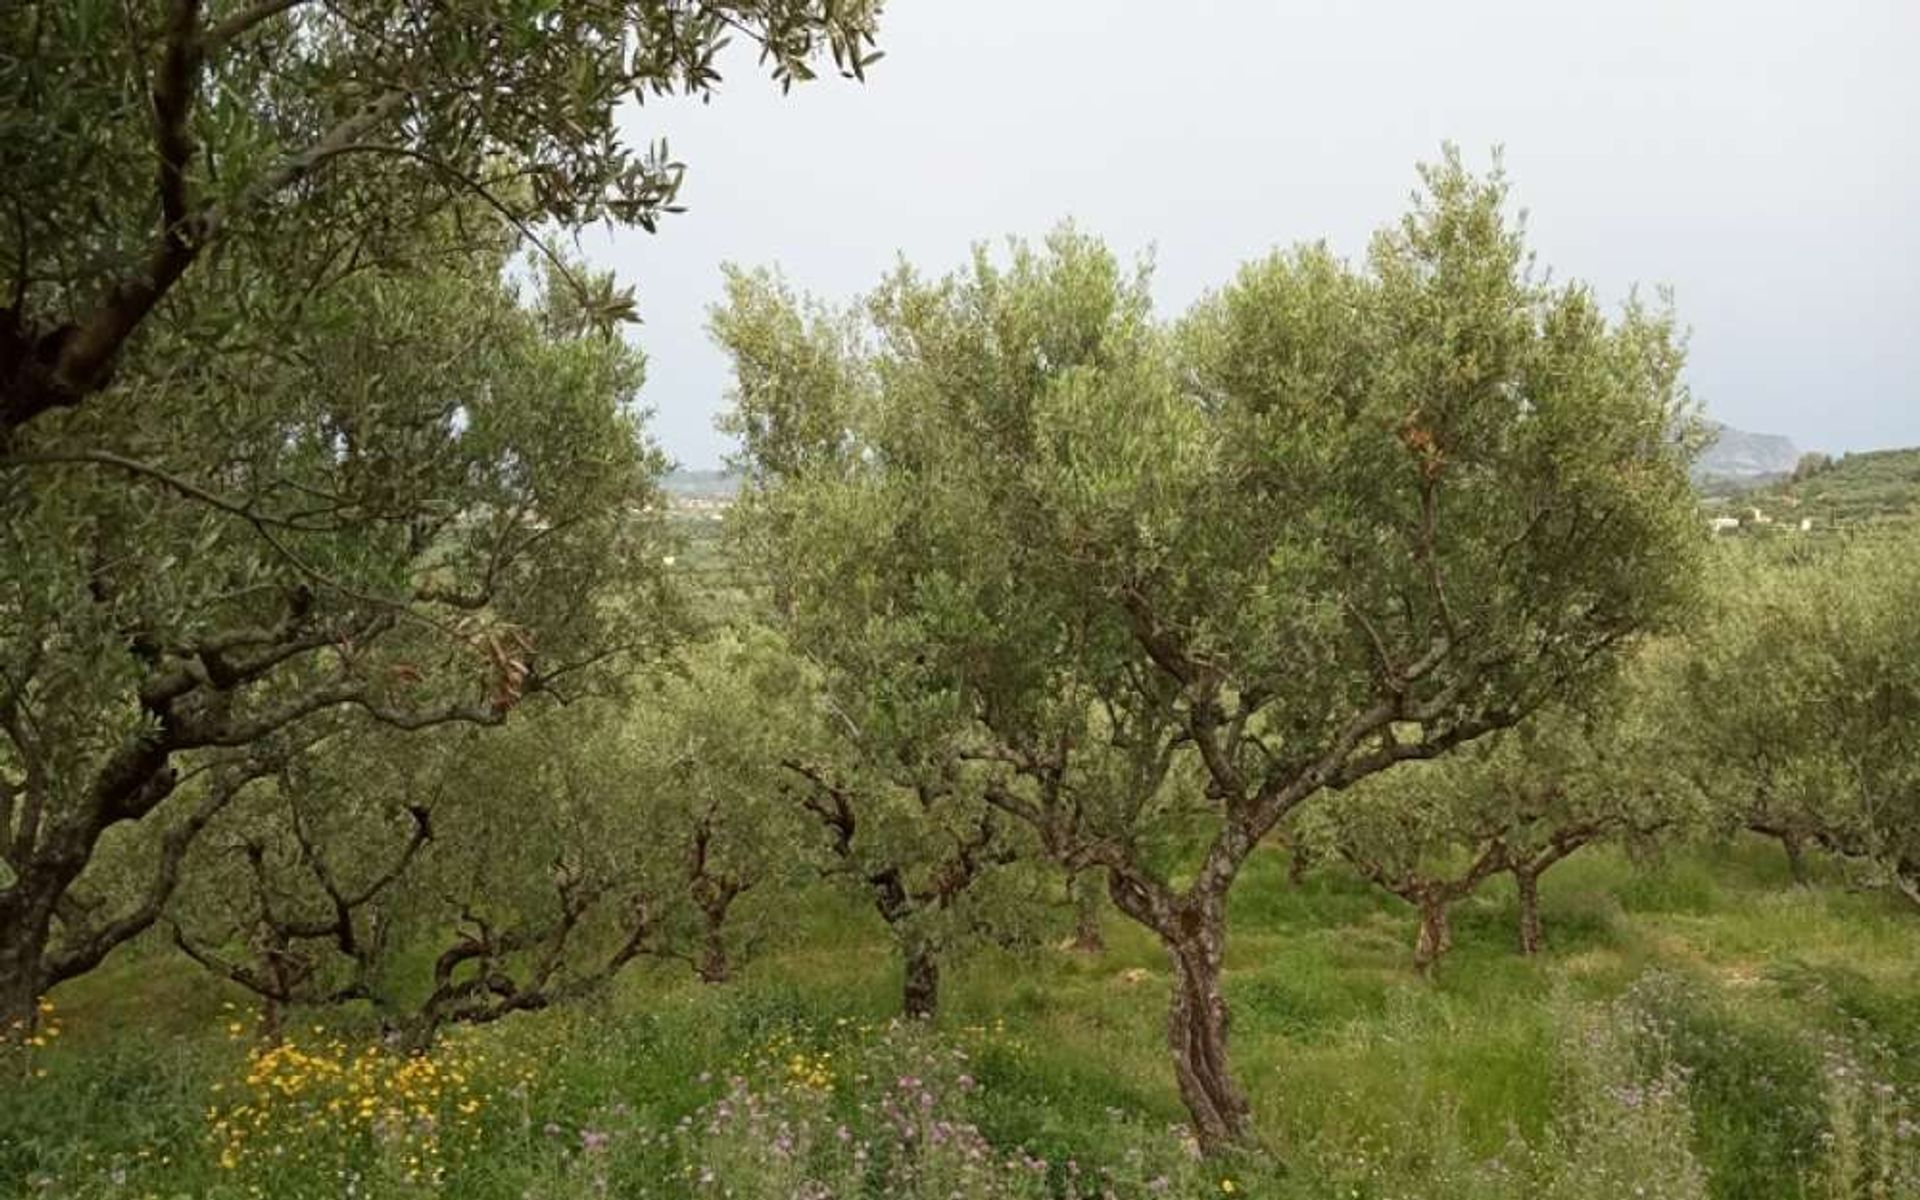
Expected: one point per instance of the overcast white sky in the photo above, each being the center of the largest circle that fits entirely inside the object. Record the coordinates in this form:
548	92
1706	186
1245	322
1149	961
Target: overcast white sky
1760	156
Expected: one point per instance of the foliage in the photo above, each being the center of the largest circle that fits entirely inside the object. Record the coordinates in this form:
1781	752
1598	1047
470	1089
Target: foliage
371	1117
1510	1078
519	868
1811	463
1854	490
1623	1128
277	436
1727	1054
318	460
706	788
884	771
300	144
429	504
1807	703
1177	582
291	891
1520	802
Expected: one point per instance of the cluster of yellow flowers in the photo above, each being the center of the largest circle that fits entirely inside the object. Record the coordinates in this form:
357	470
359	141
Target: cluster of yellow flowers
811	1071
34	1035
786	1055
993	1034
997	1029
331	1104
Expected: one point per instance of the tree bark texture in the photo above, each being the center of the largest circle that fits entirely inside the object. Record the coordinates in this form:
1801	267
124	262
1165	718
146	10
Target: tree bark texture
1527	884
920	990
1087	935
1193	928
1436	932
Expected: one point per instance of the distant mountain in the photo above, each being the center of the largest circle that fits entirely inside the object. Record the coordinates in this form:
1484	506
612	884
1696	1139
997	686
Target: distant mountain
1737	455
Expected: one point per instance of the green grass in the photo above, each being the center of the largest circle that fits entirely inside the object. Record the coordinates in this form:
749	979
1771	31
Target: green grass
1366	1081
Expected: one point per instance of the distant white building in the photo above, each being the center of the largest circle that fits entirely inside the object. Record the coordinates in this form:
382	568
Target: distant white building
1723	524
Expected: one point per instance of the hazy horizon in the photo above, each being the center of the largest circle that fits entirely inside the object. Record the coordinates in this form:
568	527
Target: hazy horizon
1759	159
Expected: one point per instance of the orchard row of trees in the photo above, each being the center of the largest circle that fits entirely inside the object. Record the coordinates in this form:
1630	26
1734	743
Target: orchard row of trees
288	445
460	876
1155	590
1394	562
339	651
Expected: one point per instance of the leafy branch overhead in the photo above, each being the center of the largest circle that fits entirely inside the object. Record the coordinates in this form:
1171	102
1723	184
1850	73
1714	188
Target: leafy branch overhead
141	137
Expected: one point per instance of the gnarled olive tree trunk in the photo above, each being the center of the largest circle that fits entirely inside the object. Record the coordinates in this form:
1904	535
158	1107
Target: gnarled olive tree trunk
1527	884
1432	896
1796	848
1436	929
1793	841
46	935
1193	928
25	927
714	891
1527	870
920	988
904	902
1197	1024
1086	890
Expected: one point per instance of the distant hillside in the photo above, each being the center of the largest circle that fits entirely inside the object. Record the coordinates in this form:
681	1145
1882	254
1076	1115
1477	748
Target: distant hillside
1873	486
714	482
1740	457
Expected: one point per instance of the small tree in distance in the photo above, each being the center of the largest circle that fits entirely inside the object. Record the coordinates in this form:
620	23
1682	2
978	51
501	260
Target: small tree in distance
1804	693
1518	803
702	754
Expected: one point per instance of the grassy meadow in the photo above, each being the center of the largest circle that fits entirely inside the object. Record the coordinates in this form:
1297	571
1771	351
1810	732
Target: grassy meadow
1697	1027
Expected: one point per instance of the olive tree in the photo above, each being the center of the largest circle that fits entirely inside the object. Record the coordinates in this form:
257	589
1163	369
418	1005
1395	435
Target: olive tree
429	501
938	866
274	435
1805	704
1753	681
878	767
705	755
1591	767
1417	834
291	891
354	879
1341	517
899	823
539	886
1614	767
654	824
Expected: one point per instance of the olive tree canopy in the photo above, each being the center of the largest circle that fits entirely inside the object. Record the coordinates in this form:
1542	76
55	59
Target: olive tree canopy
1804	698
1341	516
